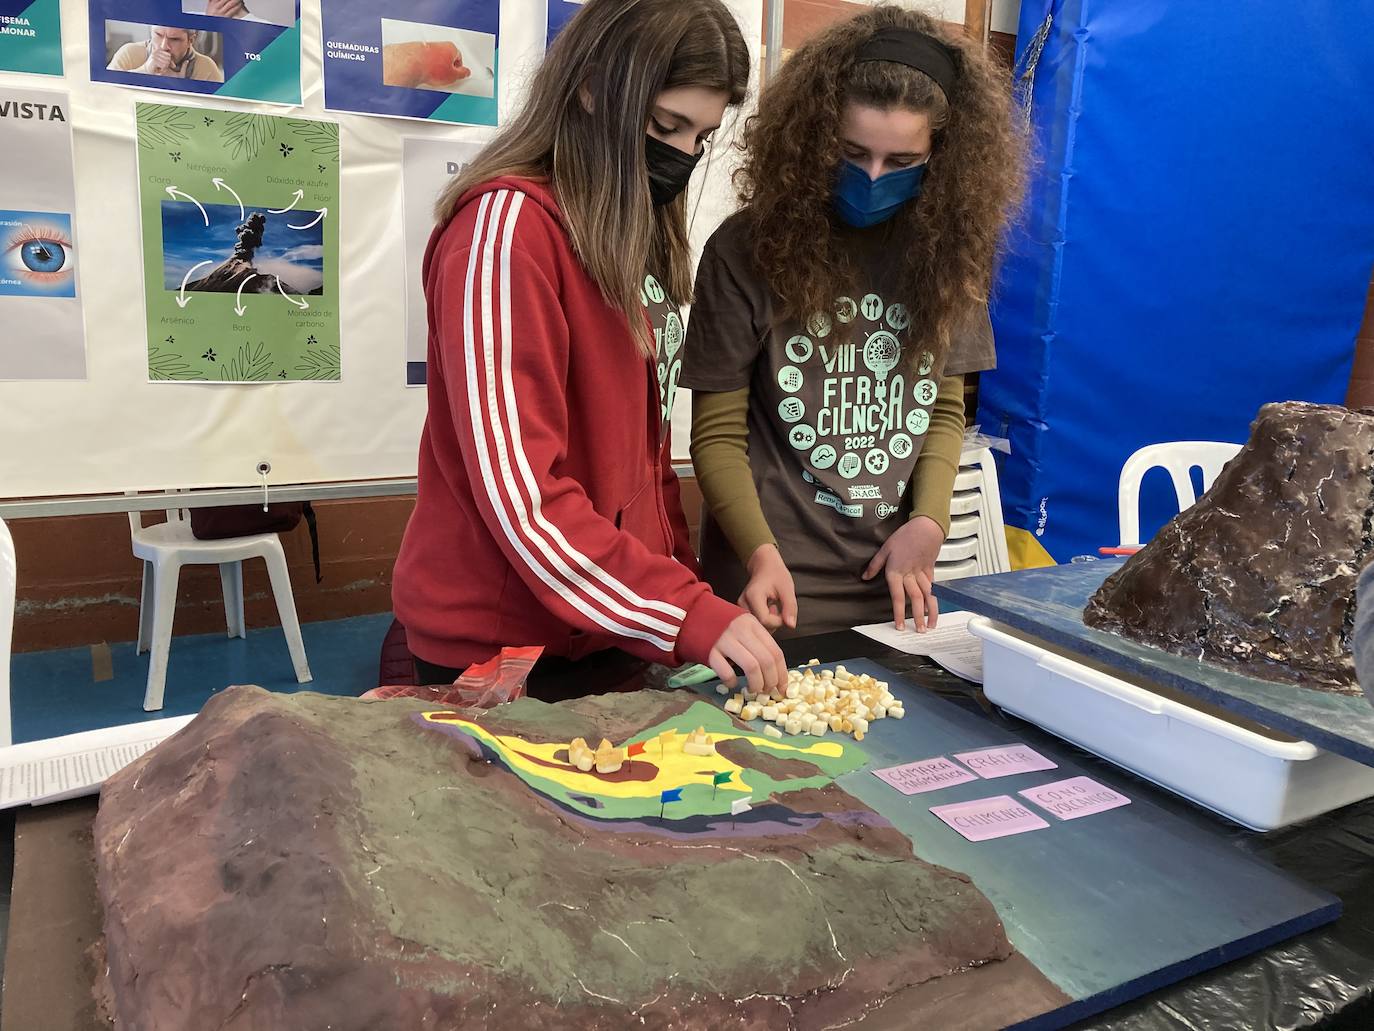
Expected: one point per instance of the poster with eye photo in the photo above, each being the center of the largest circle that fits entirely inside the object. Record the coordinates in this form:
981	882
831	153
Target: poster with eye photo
240	216
40	302
242	49
431	59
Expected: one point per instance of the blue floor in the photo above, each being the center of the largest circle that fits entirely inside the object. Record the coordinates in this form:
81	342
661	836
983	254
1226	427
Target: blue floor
52	693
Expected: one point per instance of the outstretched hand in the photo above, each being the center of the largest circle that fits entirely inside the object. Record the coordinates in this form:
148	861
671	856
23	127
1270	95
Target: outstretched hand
907	561
770	595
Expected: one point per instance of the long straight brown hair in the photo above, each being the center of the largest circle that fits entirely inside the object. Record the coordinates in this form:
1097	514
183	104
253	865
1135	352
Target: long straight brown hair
583	125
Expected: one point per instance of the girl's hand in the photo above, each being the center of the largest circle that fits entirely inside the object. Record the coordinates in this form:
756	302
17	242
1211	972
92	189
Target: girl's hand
750	647
770	595
908	559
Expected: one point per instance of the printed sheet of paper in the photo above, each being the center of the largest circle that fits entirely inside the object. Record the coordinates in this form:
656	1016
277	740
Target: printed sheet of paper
40	302
1075	797
951	633
437	60
986	818
427	166
1004	761
76	764
240	217
950	644
31	36
560	13
251	52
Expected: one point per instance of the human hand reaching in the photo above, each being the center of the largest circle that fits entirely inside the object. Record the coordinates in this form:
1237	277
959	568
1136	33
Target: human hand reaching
770	595
750	647
907	561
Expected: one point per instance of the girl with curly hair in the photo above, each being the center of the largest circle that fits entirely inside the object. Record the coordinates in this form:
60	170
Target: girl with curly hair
548	512
835	318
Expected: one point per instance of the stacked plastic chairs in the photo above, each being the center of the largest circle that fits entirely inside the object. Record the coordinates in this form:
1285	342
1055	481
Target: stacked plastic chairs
977	541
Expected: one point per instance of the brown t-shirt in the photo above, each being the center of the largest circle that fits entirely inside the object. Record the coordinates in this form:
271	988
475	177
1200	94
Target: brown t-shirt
837	415
666	319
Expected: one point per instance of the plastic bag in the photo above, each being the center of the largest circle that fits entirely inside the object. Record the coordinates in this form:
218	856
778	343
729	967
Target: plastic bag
975	438
482	685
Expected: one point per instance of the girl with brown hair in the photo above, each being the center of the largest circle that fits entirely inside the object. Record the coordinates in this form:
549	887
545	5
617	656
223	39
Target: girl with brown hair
548	512
836	315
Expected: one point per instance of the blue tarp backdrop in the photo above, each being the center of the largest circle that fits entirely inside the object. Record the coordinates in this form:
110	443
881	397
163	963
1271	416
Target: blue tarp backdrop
1198	241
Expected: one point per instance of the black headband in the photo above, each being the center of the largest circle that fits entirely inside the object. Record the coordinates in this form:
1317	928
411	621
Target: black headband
915	50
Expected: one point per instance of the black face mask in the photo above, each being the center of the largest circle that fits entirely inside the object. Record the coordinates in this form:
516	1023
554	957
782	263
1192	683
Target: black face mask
669	169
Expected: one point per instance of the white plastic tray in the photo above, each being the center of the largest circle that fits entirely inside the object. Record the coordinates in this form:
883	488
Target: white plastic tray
1255	779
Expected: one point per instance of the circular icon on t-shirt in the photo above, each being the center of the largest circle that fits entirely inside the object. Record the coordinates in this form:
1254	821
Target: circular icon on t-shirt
885	510
790	378
850	465
653	290
792	409
881	353
927	363
672	334
823	457
872	307
925	391
819	324
800	348
897	317
802	437
900	446
846	309
917	421
876	461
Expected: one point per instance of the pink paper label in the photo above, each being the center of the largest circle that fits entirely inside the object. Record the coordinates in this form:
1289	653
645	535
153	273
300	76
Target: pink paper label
990	763
1075	797
926	775
986	818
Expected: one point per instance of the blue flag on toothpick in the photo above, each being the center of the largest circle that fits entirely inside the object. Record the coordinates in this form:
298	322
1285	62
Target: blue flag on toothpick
671	795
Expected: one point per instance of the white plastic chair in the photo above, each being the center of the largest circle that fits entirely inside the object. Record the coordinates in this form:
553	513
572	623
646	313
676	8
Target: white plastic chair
9	582
167	547
977	541
1178	458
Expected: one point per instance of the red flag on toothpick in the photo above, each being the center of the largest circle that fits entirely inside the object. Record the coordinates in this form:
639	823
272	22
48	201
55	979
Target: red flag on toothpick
635	749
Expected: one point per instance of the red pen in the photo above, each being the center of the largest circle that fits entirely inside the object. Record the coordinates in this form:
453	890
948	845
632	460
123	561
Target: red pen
1130	549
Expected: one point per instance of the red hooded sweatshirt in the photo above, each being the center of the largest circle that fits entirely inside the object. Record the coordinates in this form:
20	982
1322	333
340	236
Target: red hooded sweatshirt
548	511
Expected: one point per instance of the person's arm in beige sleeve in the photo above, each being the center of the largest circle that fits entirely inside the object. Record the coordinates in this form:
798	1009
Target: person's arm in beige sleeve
907	558
932	482
720	458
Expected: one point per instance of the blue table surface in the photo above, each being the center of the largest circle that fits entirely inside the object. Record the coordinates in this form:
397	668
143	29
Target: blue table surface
1108	907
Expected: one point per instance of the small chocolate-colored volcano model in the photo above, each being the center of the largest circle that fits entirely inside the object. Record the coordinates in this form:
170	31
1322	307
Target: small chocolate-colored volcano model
298	861
1260	574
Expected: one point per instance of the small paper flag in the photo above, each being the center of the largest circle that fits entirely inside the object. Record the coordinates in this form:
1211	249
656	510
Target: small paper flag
671	795
721	778
635	749
740	807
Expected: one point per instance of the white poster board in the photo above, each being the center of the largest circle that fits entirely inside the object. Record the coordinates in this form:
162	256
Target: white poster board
115	431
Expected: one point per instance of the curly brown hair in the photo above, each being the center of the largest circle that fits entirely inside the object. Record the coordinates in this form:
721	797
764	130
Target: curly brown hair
949	237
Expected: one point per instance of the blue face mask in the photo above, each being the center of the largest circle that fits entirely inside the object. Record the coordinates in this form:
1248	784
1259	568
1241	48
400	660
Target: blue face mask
862	202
